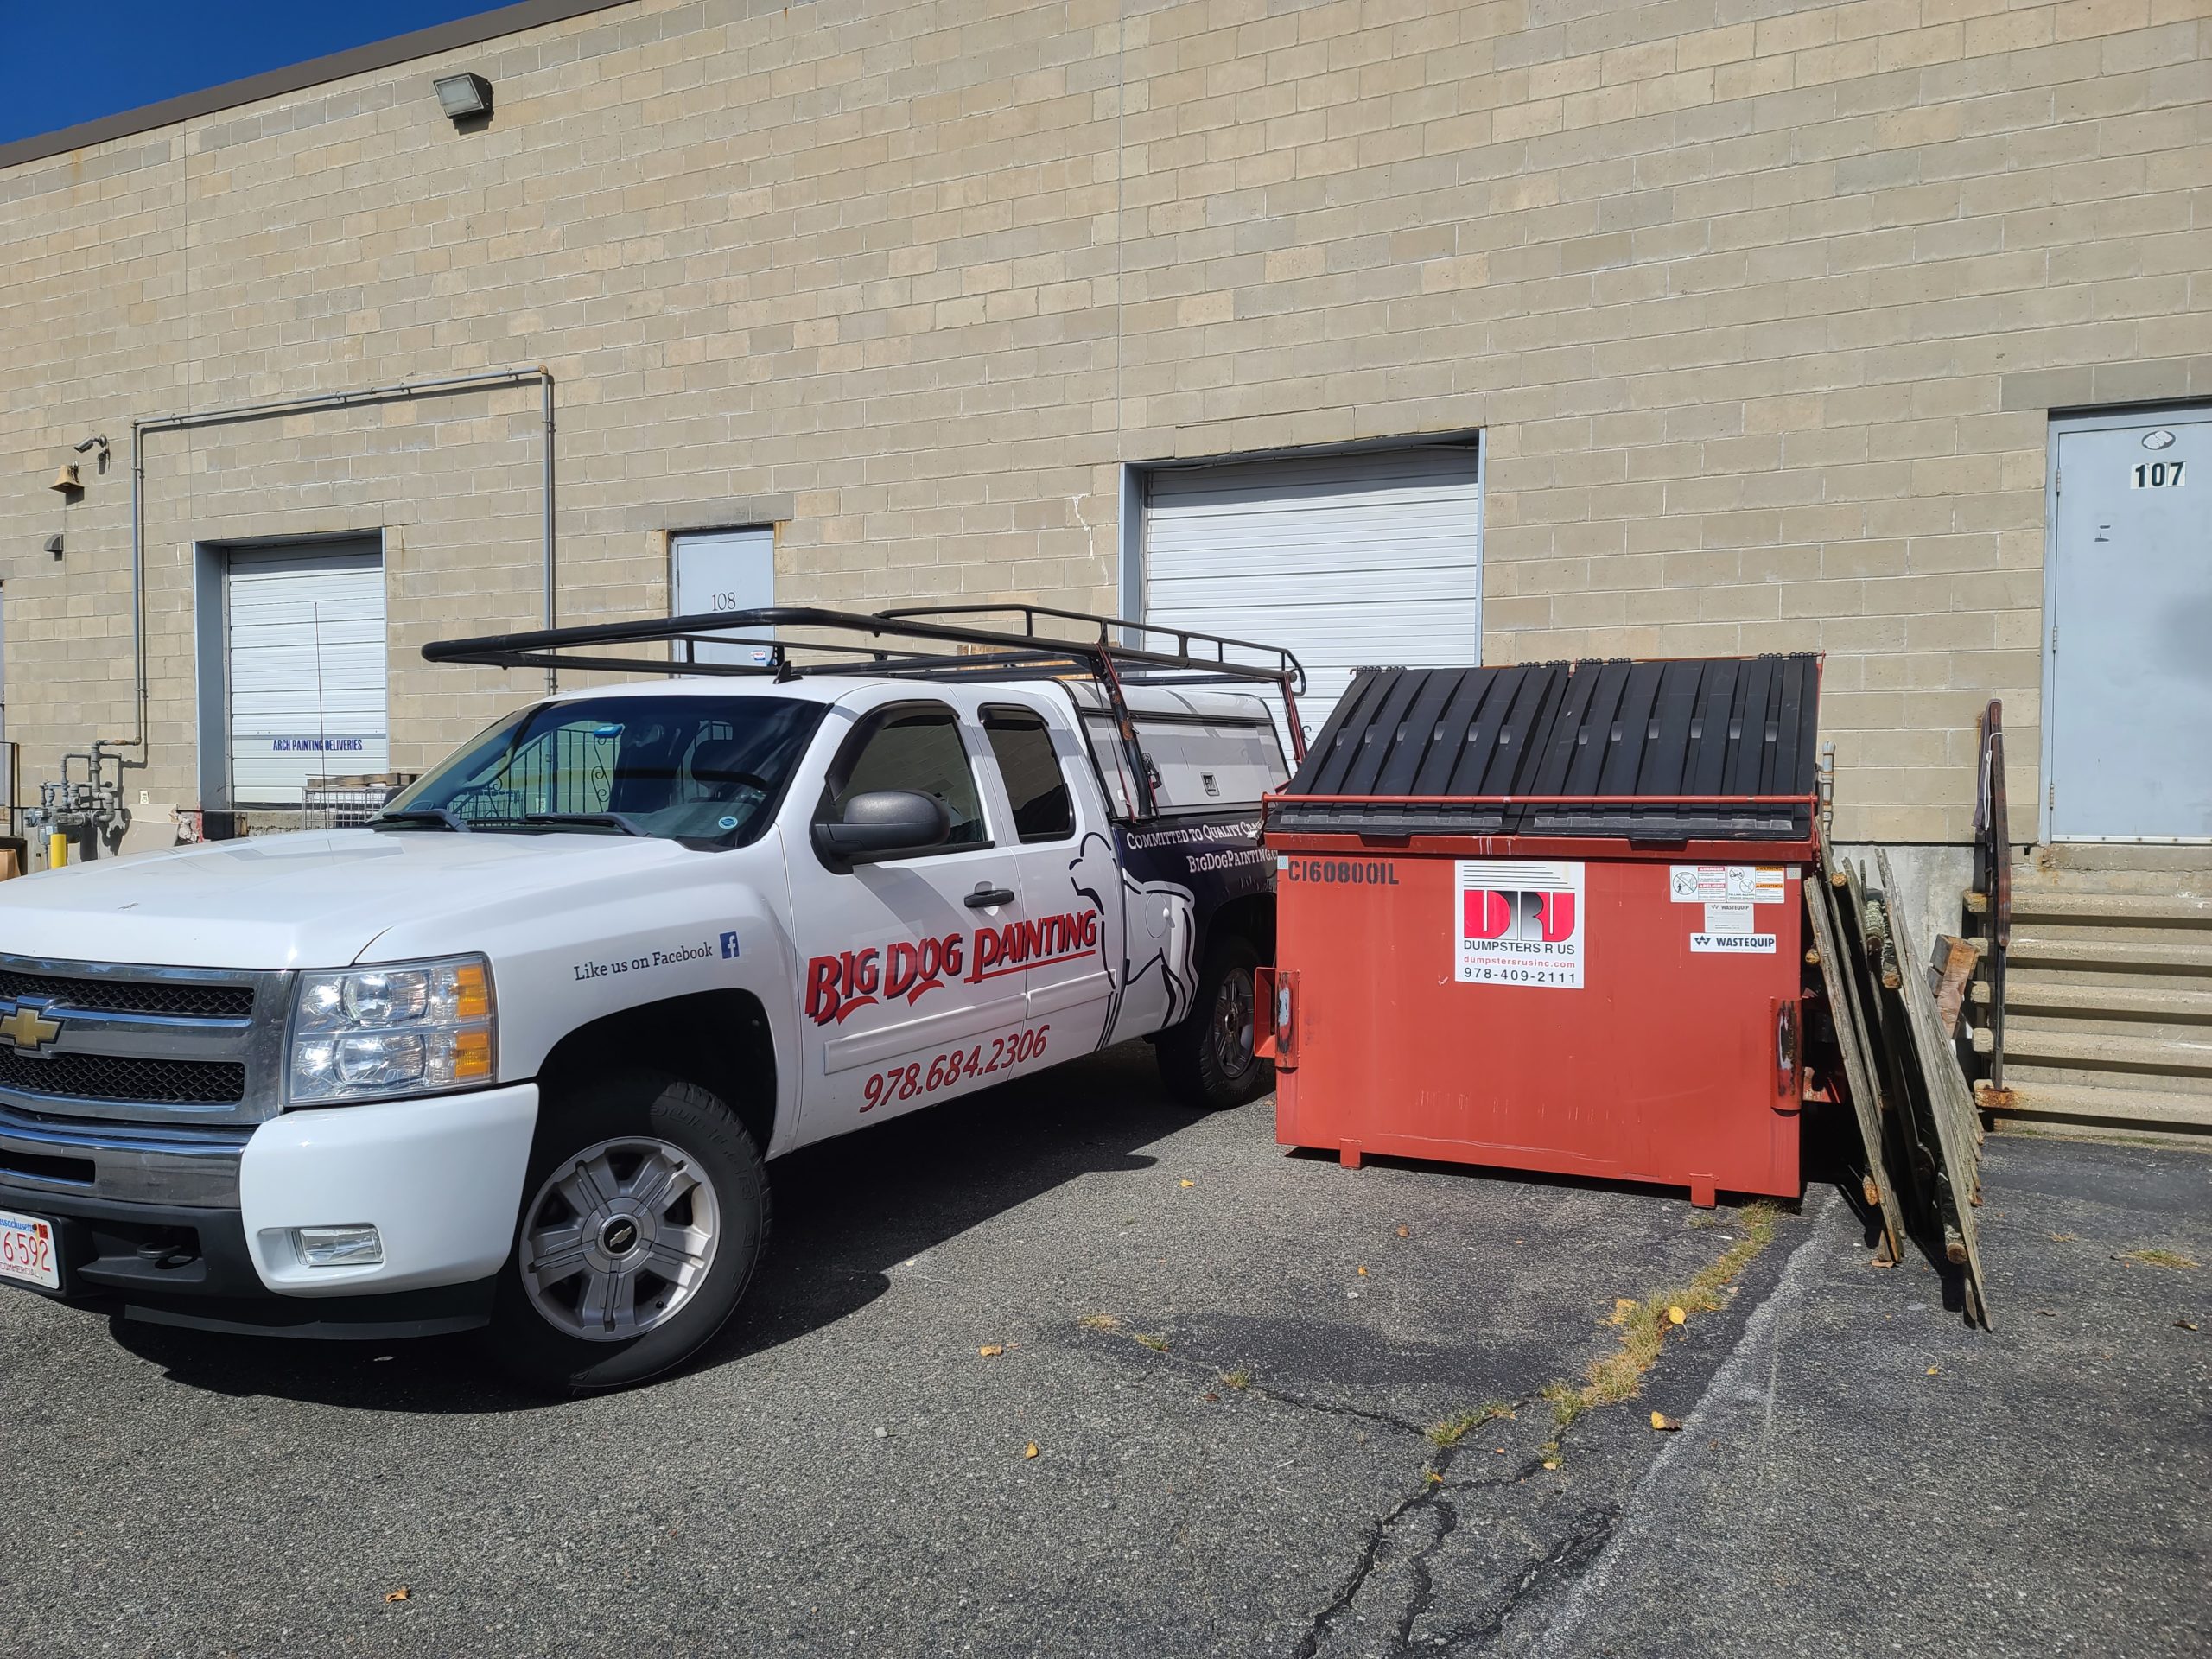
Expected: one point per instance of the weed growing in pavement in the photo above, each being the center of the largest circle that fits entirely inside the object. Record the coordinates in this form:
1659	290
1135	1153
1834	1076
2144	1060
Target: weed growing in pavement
1158	1345
2160	1258
1099	1322
1240	1378
1616	1376
1456	1428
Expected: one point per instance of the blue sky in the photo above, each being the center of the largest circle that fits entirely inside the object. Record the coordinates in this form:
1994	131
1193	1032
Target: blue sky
62	62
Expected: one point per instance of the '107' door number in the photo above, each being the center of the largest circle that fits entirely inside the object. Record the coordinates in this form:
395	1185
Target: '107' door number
2156	475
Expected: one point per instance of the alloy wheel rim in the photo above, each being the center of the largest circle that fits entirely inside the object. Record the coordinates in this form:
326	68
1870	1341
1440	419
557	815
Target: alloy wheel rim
619	1239
1232	1026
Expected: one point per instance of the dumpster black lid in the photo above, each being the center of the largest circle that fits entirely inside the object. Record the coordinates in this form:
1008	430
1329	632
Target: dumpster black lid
1638	750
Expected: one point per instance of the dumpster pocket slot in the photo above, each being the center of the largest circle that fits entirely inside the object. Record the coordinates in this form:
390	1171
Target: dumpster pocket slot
1275	995
1787	1052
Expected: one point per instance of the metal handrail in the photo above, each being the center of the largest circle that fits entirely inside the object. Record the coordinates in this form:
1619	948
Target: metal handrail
1993	876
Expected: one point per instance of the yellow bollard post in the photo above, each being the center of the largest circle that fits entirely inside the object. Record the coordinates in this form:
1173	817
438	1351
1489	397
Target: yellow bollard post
57	850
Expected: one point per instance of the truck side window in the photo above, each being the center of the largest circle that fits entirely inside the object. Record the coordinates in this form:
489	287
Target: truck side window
910	746
1043	809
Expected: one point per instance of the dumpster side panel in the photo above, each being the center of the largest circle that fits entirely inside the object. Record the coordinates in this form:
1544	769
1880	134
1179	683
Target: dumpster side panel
1660	1066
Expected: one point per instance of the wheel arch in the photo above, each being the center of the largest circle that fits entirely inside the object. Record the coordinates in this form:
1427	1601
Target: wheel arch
719	1040
1251	916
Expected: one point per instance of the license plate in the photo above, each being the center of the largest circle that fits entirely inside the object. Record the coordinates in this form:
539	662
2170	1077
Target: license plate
27	1251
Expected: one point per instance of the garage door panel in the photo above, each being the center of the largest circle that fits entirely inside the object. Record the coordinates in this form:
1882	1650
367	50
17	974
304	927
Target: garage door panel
307	663
1346	559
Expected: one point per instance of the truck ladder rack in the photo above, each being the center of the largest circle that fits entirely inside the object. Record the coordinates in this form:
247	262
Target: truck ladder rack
894	643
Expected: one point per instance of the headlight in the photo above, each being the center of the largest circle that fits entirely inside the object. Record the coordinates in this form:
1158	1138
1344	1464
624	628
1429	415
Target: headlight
411	1028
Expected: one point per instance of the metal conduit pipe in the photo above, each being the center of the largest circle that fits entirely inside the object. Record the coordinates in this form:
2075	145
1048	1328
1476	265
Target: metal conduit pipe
241	412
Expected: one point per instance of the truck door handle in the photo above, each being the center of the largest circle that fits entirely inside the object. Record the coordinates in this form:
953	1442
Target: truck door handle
986	895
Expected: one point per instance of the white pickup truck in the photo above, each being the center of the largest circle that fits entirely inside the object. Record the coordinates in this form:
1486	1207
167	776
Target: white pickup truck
517	1054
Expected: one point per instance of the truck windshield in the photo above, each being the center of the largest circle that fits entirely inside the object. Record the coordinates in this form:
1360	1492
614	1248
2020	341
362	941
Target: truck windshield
685	768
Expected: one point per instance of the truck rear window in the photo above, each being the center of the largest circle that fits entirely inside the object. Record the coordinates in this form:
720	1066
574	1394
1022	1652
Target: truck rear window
685	768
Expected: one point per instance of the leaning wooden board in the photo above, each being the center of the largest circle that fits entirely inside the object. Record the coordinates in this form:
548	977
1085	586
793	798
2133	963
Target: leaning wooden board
1952	1107
1850	1037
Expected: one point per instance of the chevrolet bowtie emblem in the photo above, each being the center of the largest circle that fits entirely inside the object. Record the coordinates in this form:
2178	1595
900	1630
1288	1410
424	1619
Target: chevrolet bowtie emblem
28	1028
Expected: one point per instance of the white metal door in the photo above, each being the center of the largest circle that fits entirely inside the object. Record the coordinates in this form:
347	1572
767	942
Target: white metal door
722	570
307	664
2128	639
1349	560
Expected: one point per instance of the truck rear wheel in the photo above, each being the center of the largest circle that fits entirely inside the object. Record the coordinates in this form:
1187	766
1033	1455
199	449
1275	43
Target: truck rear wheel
645	1211
1207	1061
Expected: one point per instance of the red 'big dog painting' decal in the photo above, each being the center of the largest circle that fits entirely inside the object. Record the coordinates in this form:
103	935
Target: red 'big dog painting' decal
840	985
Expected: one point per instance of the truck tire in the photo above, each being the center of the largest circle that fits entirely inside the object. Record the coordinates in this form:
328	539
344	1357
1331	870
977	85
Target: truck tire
644	1212
1207	1061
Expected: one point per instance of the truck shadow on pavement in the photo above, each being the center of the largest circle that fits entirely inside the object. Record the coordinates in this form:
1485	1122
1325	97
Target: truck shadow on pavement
848	1210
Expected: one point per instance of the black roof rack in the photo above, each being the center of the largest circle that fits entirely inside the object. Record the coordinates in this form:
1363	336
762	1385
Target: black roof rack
1113	651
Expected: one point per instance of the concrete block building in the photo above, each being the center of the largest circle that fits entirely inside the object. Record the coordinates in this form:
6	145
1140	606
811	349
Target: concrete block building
1396	330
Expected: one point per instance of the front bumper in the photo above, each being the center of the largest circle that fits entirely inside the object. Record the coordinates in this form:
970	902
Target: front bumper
195	1227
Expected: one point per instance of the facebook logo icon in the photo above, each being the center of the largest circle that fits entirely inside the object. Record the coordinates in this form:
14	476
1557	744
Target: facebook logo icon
729	944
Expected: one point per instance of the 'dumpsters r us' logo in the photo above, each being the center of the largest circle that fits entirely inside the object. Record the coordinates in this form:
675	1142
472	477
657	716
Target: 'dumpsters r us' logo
1518	922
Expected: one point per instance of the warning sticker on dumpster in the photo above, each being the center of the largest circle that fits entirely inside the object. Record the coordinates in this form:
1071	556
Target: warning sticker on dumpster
1518	922
1707	884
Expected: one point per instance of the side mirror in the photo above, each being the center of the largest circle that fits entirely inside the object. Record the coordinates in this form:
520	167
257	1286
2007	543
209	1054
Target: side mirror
884	824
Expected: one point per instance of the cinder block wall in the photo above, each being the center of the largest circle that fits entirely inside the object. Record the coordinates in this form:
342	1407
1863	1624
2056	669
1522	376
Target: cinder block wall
1761	305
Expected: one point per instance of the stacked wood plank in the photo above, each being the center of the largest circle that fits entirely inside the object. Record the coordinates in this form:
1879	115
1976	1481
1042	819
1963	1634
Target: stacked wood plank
1917	1124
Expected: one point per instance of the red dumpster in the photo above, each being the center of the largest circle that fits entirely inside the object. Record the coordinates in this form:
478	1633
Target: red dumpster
1548	918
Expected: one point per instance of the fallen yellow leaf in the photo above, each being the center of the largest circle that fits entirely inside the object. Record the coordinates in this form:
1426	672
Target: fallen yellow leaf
1931	1371
1030	1450
1659	1420
1675	1316
992	1350
399	1594
1363	1273
1551	1463
1186	1183
1405	1232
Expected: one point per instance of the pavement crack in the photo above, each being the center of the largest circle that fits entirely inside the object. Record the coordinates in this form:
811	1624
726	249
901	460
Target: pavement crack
1570	1555
1378	1532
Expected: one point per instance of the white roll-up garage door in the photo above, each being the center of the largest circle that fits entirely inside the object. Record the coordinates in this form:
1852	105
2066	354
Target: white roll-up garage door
307	664
1349	560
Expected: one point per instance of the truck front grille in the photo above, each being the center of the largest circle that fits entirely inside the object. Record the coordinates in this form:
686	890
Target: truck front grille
131	1042
120	1078
98	994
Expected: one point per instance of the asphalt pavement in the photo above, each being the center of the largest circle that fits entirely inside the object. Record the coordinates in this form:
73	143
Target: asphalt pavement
1230	1422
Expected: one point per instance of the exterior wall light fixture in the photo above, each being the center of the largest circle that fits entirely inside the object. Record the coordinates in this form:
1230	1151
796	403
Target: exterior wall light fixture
463	97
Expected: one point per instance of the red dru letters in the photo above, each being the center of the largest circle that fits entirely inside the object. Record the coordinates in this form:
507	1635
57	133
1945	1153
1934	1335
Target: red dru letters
840	985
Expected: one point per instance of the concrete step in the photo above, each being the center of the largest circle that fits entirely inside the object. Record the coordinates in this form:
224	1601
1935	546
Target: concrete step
2032	1102
2120	1036
2121	859
2139	951
2103	909
2026	1045
2175	1000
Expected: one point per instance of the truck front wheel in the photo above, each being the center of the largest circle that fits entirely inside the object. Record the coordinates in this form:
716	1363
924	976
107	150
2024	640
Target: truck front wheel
1207	1061
645	1211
